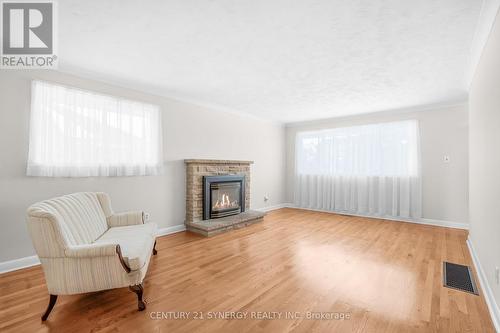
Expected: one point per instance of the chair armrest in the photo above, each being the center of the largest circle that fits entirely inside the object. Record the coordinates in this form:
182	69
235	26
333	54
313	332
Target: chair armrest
97	250
91	250
124	219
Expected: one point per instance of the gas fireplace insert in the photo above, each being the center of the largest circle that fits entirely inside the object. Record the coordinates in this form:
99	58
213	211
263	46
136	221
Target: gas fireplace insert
223	196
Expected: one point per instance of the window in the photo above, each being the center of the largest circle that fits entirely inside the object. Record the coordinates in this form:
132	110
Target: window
387	149
78	133
367	170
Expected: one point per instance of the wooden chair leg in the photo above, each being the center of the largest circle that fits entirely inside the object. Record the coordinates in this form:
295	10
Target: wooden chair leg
154	249
138	289
52	302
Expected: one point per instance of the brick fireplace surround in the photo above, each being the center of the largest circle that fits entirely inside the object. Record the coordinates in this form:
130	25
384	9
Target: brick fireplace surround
195	170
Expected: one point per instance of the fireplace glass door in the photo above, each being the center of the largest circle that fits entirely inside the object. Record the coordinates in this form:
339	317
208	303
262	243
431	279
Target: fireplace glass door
223	195
225	199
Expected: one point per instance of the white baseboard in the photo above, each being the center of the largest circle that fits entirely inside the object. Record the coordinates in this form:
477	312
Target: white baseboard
171	230
12	265
439	223
16	264
485	287
274	207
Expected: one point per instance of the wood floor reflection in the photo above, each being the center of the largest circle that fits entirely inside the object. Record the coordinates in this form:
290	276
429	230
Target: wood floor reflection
297	271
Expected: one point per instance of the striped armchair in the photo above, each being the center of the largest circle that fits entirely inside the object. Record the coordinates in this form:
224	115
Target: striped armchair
84	246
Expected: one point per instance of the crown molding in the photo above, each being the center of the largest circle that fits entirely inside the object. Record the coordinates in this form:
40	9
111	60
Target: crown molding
159	92
411	109
487	16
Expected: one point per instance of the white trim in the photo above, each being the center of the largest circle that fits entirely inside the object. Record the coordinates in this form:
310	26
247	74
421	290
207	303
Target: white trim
439	223
171	230
274	207
159	92
13	265
320	123
484	26
485	287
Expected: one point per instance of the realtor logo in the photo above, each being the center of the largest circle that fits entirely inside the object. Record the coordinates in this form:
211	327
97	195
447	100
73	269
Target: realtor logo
28	32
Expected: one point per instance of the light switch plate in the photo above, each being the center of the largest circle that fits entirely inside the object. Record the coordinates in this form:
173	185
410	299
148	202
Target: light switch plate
446	158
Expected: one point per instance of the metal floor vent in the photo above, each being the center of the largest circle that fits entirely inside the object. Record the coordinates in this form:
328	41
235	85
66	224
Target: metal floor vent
459	277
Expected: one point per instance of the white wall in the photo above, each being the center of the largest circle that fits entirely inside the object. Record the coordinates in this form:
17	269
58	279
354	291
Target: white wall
484	161
189	132
443	131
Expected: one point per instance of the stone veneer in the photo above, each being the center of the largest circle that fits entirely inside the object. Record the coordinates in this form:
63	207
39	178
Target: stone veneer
196	169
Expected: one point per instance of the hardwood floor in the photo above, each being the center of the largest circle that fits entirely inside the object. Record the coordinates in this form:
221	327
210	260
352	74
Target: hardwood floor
384	275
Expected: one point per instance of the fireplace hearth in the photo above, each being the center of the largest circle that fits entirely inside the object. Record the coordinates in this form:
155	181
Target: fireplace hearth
223	196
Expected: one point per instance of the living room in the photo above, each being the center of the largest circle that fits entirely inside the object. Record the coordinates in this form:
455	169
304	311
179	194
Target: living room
262	166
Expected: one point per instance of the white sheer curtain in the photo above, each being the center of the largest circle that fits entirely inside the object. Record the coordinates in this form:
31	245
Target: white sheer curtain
77	133
365	170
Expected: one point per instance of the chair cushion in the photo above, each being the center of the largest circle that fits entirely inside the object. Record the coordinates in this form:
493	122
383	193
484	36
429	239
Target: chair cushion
136	242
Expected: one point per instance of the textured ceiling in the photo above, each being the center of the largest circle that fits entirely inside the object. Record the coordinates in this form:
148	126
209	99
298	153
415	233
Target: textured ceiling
282	60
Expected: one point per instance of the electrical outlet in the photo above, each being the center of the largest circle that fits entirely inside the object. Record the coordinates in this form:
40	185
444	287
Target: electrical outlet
266	198
146	217
497	275
446	158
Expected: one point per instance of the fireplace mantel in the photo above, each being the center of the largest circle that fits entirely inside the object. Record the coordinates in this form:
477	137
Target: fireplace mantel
203	161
